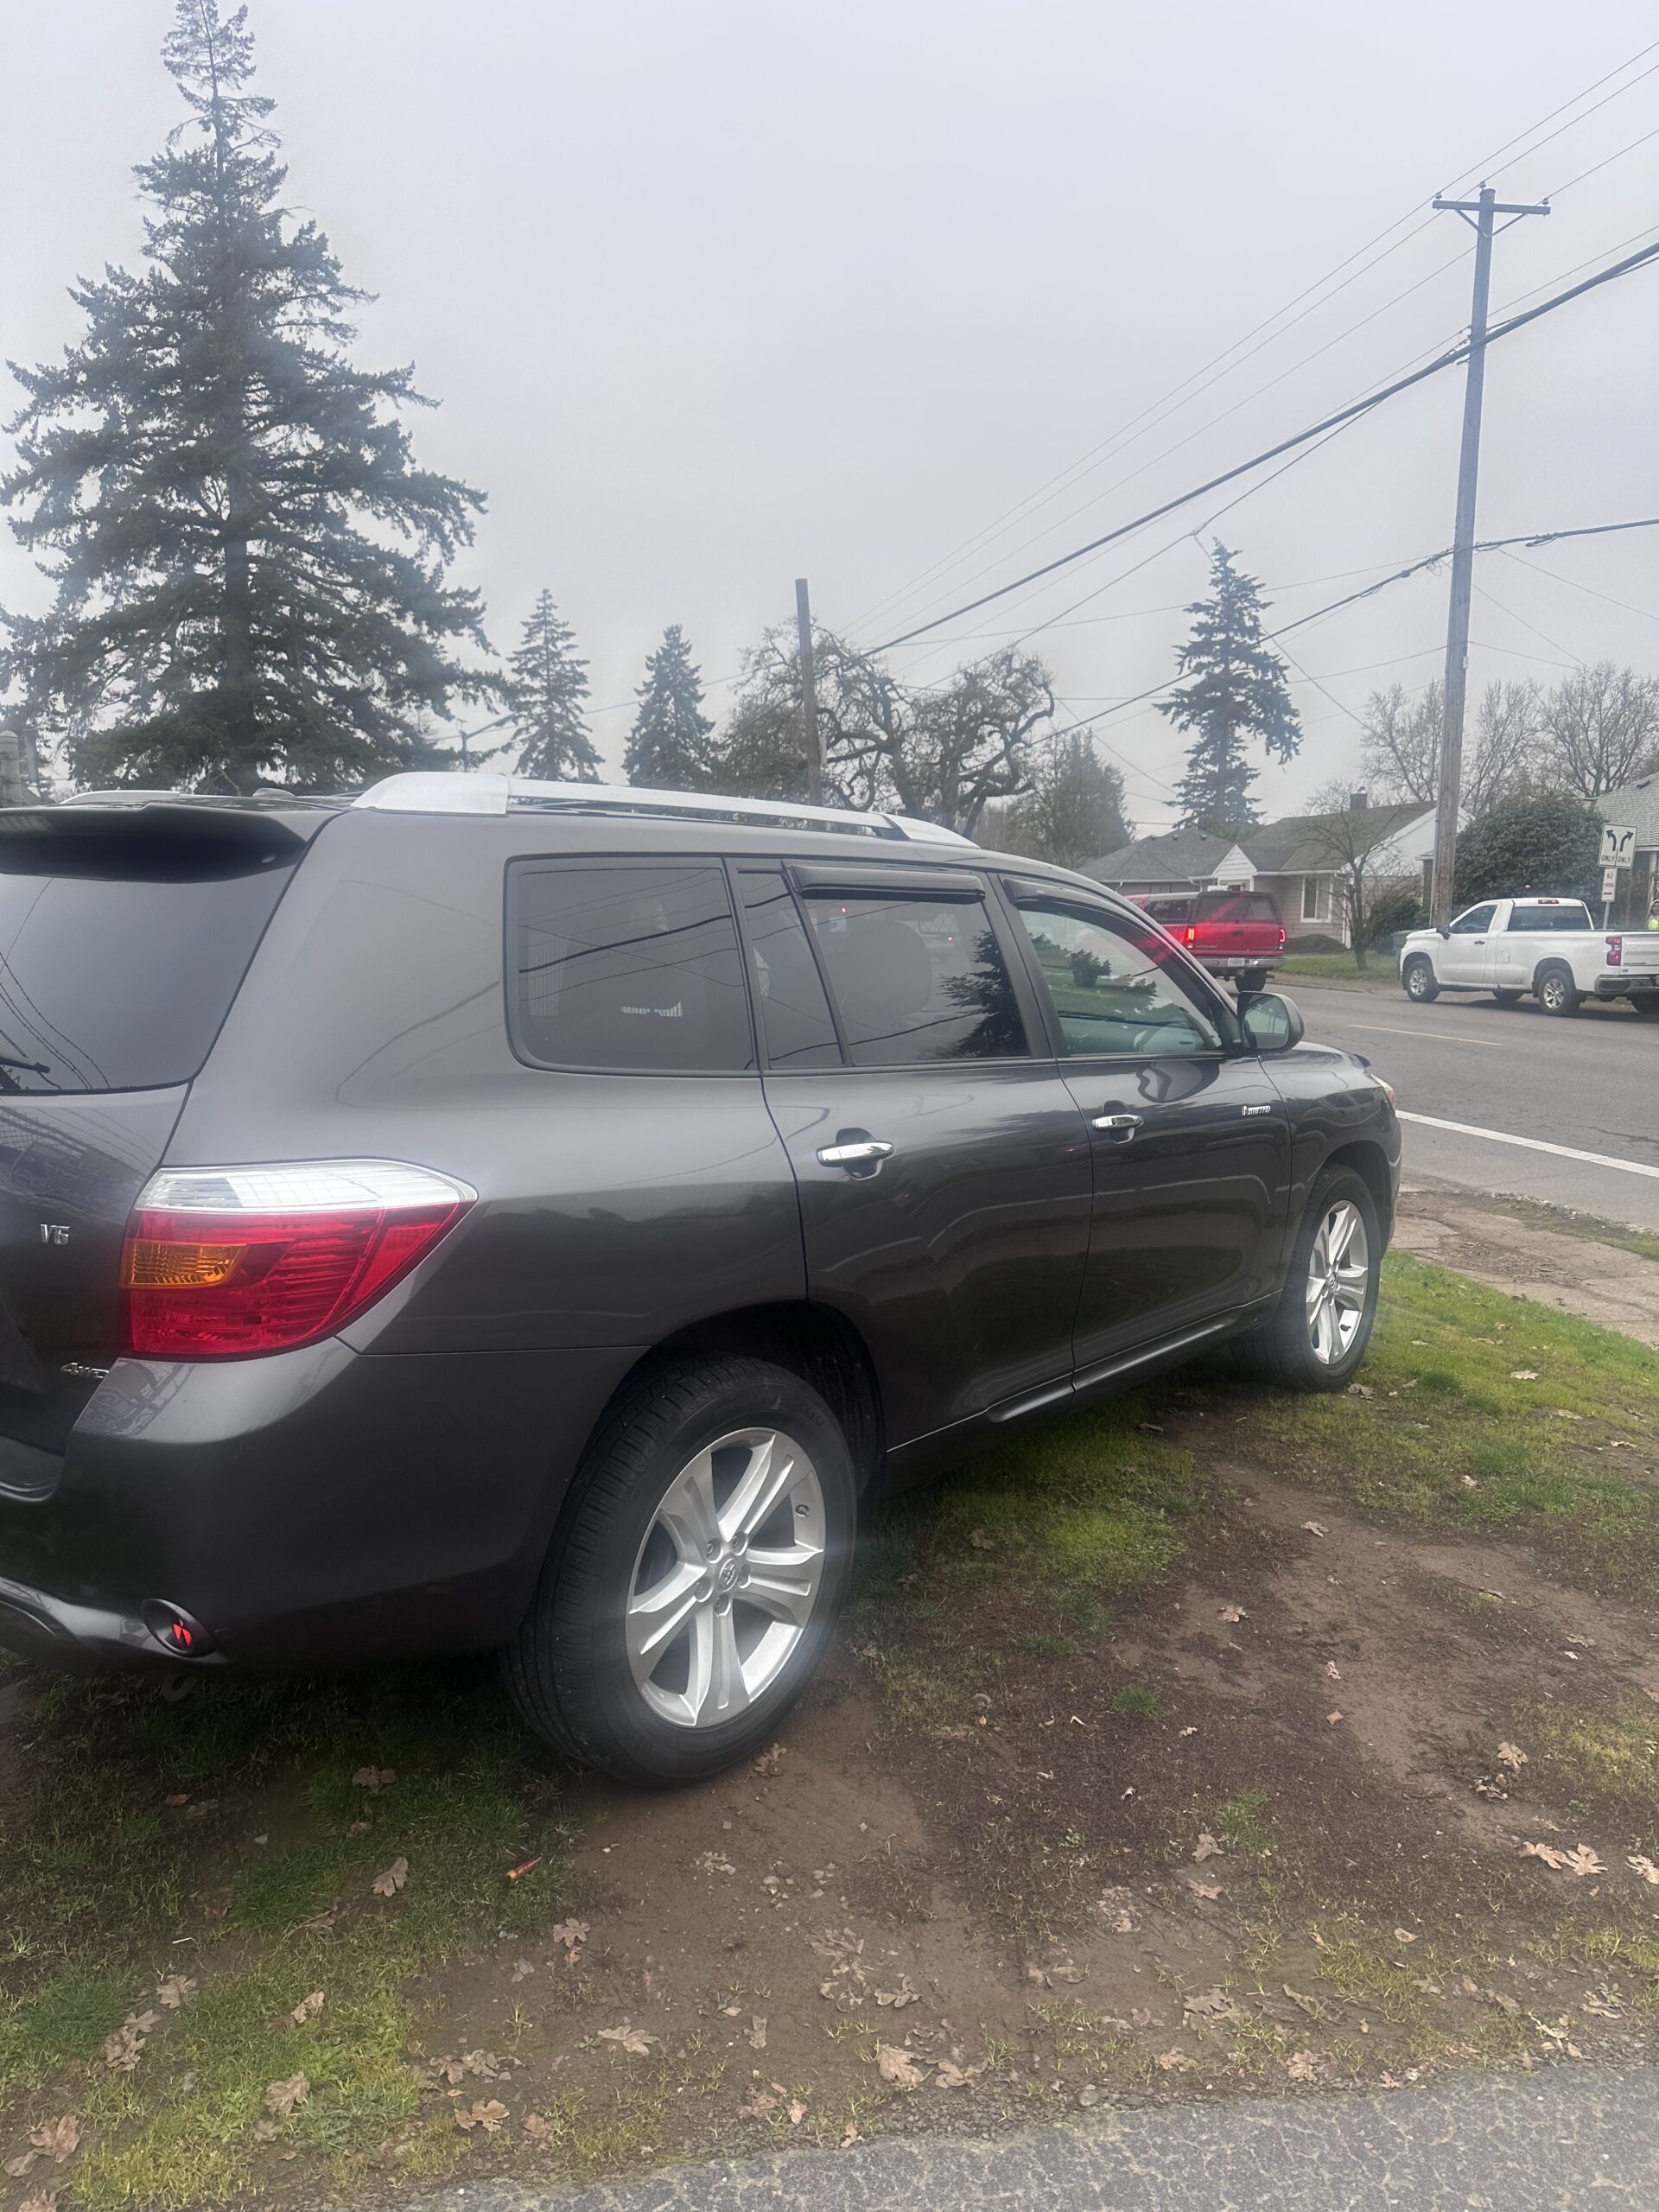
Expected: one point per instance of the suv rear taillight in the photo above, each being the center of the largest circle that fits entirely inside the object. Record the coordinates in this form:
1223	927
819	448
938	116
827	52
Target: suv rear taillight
1281	939
1190	936
220	1262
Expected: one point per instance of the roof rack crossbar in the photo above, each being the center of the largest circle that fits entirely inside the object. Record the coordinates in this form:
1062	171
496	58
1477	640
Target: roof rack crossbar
418	791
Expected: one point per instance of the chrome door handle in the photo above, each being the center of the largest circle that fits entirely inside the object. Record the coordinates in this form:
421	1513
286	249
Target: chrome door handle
1123	1125
862	1154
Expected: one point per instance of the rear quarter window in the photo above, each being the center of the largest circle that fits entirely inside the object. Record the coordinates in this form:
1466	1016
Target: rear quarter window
630	967
118	962
1238	906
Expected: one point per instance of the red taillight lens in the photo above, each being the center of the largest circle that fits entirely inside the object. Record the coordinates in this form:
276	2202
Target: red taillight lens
222	1262
1281	940
1191	937
1615	952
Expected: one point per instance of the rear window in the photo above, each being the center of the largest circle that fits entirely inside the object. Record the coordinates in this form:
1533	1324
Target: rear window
118	963
1569	914
632	967
1236	906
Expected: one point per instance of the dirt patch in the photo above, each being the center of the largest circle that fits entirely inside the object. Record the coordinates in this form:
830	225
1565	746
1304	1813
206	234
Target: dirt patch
1567	1267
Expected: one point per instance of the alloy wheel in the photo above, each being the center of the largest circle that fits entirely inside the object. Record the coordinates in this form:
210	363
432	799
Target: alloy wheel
726	1579
1339	1279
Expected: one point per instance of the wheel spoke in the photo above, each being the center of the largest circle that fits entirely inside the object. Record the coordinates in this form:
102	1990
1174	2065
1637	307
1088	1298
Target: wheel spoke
1352	1283
688	1512
655	1616
768	1475
716	1690
771	1588
1339	1235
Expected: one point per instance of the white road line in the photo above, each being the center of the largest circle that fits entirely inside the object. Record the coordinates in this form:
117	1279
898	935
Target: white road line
1535	1144
1456	1037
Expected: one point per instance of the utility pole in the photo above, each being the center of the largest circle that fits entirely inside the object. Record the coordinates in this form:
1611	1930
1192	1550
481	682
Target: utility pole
808	696
1478	214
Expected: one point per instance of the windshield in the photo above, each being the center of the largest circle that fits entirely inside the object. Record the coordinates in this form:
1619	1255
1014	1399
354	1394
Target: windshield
118	981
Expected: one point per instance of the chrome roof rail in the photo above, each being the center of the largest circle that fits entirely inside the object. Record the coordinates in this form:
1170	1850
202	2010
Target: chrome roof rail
419	792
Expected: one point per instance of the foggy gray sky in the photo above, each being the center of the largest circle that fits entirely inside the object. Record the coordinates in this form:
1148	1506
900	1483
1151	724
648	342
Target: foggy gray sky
718	293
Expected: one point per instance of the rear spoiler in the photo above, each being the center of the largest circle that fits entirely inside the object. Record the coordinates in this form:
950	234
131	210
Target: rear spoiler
92	827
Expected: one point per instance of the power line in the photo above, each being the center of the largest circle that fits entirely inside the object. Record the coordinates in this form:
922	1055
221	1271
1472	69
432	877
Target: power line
1183	393
1343	416
1649	613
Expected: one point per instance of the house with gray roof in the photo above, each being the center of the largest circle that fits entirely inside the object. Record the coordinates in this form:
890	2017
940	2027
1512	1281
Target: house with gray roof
1635	806
1299	860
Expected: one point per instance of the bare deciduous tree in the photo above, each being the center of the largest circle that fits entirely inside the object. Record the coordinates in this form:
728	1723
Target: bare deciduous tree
1401	748
943	753
1352	841
1600	729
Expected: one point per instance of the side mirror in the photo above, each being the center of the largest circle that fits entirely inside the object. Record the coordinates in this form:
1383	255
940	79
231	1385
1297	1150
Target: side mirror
1441	930
1271	1022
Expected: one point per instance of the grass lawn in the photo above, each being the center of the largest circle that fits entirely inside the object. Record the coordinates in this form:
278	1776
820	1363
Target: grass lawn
1379	970
1094	1646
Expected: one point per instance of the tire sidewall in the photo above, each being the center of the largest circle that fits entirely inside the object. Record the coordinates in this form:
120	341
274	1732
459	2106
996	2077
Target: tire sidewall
594	1684
1558	979
1419	972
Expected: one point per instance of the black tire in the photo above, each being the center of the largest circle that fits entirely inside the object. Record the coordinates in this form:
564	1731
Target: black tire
567	1667
1417	980
1508	997
1556	991
1281	1350
1646	1002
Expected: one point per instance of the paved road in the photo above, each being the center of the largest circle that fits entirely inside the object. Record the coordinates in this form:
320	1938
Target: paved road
1568	2141
1589	1085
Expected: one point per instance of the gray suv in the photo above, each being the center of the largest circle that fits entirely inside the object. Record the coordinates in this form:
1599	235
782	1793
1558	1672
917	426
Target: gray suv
482	1214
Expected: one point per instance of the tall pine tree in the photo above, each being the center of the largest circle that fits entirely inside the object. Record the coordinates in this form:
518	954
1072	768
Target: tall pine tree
669	747
546	688
1236	690
250	565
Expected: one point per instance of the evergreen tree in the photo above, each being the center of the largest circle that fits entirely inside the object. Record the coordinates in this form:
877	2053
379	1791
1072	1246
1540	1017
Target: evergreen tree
1236	690
1073	812
668	747
546	688
250	567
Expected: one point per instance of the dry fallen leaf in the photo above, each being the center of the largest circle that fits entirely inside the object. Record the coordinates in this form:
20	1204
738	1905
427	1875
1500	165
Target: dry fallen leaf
898	1998
1404	1935
46	2201
19	2166
1233	1614
1175	2062
389	1884
1360	1390
178	1989
537	2127
1333	1718
121	2047
1512	1755
1213	2005
770	1760
981	1542
488	2116
448	2069
1523	1375
1645	1868
1208	1891
1584	1861
373	1777
849	2135
1547	1851
1333	1673
1314	1528
757	2035
1311	2005
285	2097
571	1933
58	2139
484	2065
950	2075
1206	1846
359	1827
633	2040
1301	2066
307	2009
898	2066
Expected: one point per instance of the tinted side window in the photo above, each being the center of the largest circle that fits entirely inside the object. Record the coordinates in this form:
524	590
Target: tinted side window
1170	910
917	979
1472	923
626	966
117	978
788	989
1116	989
1238	906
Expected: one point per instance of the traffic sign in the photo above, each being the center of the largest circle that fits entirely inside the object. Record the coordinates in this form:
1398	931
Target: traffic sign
1609	884
1617	847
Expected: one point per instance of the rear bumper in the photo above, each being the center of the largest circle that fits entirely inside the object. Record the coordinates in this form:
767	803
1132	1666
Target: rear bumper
1240	964
1628	983
317	1506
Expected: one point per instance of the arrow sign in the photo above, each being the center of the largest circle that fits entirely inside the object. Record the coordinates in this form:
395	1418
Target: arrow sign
1618	847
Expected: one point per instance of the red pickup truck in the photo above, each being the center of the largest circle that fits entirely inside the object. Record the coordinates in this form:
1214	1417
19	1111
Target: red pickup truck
1235	933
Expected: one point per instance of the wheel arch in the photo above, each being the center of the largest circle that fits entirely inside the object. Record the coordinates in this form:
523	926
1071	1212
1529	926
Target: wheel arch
813	1341
1370	1162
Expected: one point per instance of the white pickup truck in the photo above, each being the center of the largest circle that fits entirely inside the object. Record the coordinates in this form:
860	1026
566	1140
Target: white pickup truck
1550	947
